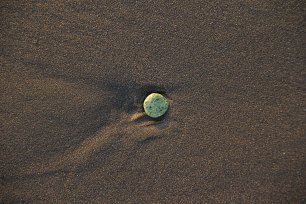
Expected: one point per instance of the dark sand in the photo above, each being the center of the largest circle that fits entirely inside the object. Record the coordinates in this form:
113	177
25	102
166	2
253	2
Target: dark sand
73	75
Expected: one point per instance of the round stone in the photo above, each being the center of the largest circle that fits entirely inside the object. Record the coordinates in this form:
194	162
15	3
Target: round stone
155	105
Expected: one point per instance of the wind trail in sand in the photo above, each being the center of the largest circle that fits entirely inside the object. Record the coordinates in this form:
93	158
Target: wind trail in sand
128	130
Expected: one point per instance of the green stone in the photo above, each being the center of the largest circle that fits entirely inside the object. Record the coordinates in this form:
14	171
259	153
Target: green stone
155	105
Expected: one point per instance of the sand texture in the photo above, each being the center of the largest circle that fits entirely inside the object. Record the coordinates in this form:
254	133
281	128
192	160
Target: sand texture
74	74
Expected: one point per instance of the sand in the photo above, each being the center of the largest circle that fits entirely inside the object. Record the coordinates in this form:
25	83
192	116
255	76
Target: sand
74	74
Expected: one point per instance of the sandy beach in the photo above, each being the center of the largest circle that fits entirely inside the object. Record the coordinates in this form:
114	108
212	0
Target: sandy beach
74	74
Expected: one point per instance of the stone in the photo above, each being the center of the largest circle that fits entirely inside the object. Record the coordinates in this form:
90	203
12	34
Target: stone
155	105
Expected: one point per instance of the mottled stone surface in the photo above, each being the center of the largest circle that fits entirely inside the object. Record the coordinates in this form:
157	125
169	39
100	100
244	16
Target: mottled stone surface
155	105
